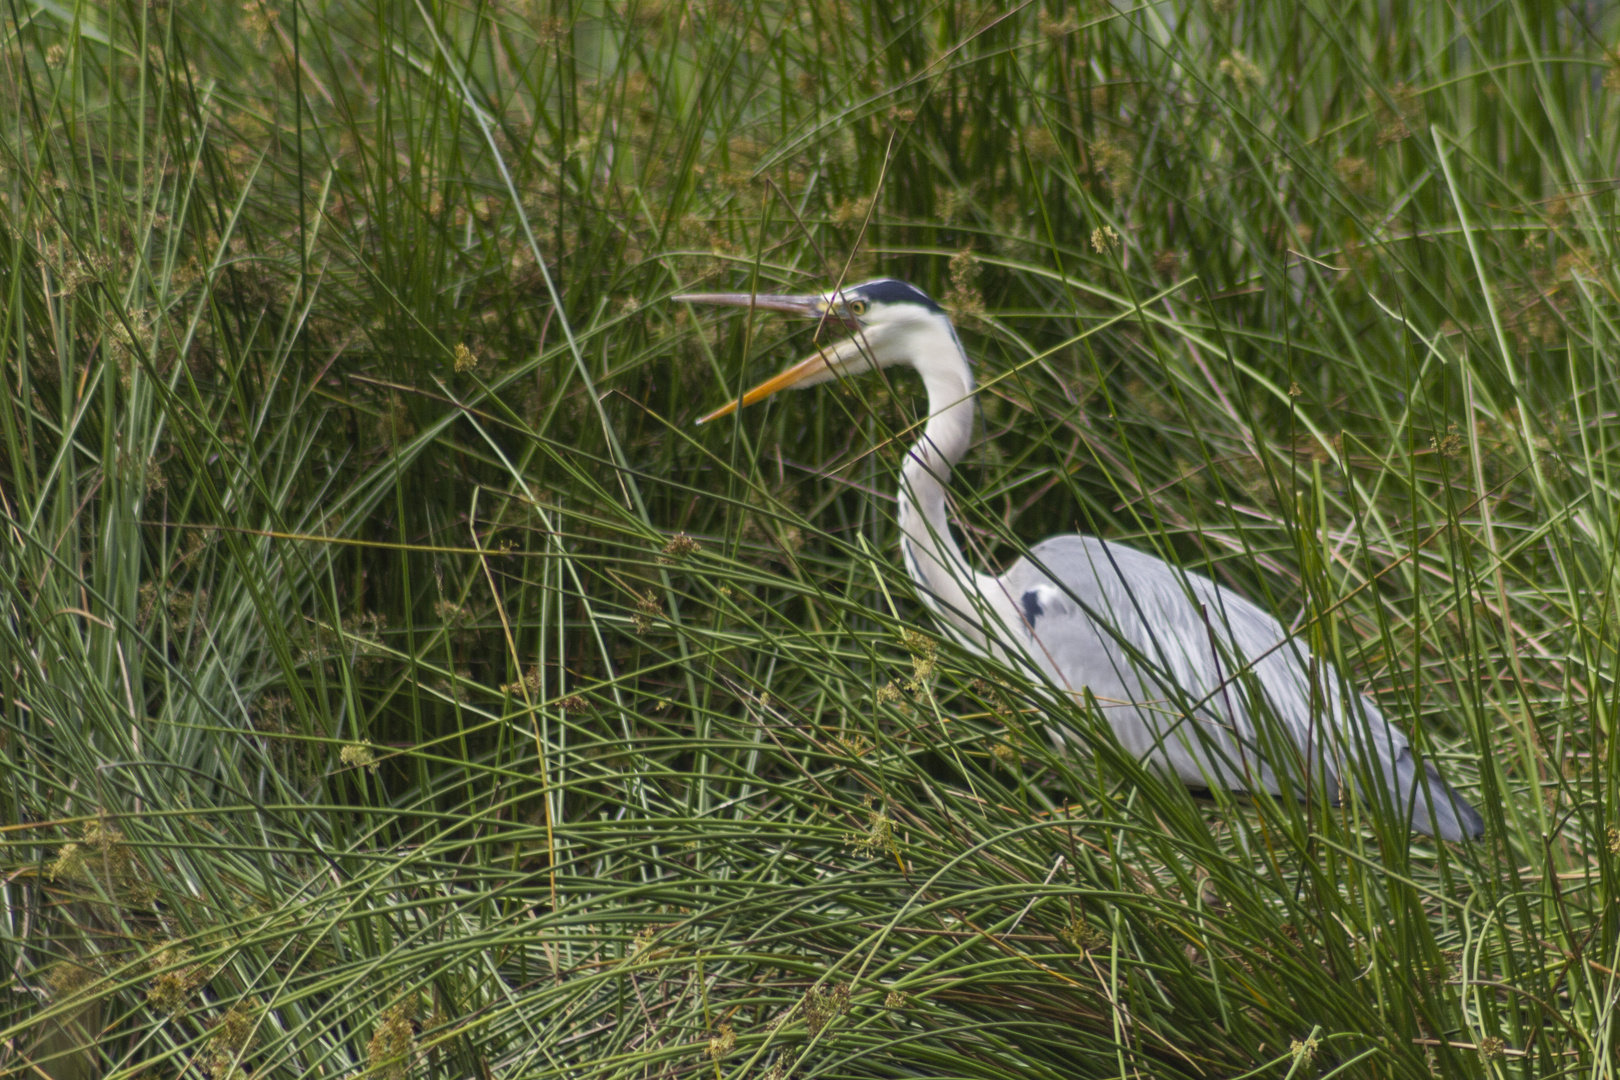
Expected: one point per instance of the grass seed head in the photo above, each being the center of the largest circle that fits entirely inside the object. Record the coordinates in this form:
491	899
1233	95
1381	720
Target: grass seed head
1244	73
722	1043
1082	936
648	608
965	301
823	1005
232	1037
393	1043
175	981
358	756
680	546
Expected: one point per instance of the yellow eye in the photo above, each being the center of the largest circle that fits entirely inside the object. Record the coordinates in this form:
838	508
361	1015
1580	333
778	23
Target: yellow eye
857	308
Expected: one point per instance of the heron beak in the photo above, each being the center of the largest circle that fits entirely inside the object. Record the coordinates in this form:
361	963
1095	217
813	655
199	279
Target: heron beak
806	307
810	365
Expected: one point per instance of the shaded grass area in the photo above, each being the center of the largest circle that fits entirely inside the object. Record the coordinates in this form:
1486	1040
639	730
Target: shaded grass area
393	680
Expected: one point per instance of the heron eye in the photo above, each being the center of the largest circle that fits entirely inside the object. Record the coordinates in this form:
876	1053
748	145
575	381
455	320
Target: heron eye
857	308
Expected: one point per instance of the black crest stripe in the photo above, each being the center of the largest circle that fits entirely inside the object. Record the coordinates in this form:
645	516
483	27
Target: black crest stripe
890	291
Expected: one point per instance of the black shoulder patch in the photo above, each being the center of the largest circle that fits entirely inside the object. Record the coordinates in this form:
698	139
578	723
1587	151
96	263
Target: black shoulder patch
1032	606
890	291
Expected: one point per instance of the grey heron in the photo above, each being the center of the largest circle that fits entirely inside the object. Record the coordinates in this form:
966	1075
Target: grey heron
1154	644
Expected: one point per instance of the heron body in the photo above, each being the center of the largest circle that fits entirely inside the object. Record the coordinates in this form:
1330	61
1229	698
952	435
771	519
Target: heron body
1186	672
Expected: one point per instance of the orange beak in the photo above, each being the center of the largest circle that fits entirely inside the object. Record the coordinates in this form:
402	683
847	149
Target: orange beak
812	365
807	307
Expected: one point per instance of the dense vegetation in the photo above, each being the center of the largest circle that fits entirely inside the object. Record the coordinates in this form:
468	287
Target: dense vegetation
394	681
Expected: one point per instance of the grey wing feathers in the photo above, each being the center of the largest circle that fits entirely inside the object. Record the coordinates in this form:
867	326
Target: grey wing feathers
1155	644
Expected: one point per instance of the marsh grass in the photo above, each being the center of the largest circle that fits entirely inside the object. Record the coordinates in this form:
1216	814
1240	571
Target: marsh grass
394	682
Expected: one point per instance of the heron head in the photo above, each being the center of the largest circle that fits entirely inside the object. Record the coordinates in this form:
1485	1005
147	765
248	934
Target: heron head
886	319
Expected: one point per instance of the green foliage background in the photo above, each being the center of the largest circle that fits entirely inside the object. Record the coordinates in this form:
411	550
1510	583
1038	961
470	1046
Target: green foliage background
394	681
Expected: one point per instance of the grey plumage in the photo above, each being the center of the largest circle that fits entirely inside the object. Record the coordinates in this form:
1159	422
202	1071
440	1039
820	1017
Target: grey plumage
1154	644
1190	676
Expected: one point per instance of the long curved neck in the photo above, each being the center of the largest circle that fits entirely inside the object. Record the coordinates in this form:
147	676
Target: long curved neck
945	581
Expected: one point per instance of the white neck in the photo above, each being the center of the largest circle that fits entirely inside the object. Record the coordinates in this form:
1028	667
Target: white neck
945	581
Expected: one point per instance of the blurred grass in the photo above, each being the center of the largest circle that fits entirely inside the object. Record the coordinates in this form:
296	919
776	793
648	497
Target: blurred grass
394	681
